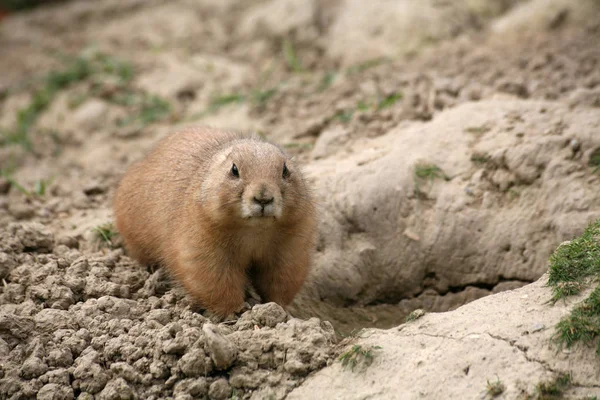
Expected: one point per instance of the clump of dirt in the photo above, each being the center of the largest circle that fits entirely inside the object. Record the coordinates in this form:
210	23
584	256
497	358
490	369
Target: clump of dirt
75	324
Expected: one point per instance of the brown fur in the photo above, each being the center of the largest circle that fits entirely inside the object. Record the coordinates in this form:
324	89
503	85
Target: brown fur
182	207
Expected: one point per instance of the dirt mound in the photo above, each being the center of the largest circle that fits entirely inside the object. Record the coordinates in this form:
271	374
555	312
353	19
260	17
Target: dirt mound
76	325
475	202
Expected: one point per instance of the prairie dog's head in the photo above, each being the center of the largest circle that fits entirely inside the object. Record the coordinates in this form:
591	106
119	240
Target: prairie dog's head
252	181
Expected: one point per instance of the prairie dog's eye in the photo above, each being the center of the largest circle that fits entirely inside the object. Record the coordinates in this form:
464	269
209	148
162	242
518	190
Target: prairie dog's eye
234	171
286	171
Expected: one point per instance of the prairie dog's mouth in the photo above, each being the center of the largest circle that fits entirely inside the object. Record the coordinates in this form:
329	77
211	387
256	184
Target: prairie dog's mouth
261	202
261	210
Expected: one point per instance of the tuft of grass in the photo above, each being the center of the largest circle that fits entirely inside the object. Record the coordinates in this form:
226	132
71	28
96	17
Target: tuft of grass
260	97
414	315
290	56
389	101
426	171
344	116
39	187
113	66
480	158
573	265
326	81
153	109
362	105
495	388
575	261
361	67
358	355
583	324
13	183
227	99
147	108
594	161
477	130
553	389
105	233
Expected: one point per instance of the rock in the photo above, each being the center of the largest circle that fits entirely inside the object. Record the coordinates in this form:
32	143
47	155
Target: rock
94	188
221	350
269	314
34	236
161	315
21	210
4	185
69	241
49	320
91	115
33	367
53	391
328	141
60	358
219	390
583	97
195	363
197	387
7	263
117	389
92	377
16	326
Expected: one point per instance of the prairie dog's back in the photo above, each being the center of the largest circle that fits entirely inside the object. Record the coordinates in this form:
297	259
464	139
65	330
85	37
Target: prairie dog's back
151	195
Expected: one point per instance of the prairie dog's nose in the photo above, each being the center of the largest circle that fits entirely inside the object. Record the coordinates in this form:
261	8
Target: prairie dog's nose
263	200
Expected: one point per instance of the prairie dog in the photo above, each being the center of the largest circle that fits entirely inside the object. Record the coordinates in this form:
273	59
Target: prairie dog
219	210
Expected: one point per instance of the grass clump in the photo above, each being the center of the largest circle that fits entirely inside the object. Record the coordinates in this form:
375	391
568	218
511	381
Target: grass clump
414	315
583	324
105	233
290	56
326	81
480	158
594	161
495	388
363	66
38	190
344	116
389	101
430	172
150	108
554	388
573	262
572	266
358	355
477	130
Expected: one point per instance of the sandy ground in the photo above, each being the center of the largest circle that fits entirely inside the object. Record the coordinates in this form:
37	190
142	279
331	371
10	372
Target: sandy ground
502	98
